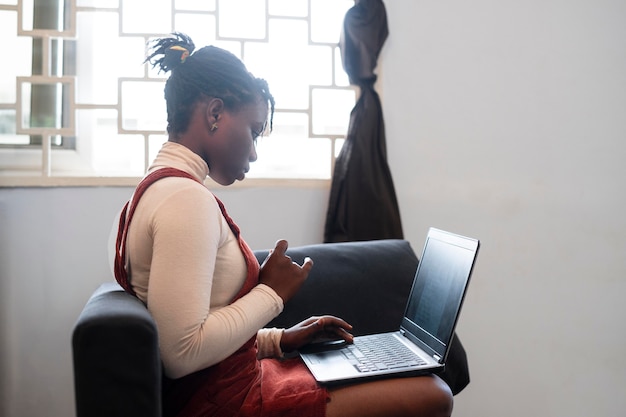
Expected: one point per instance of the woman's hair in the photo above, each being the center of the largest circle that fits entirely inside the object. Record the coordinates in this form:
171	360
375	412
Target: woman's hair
206	73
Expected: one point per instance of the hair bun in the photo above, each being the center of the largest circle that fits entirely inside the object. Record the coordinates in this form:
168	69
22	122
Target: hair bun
173	51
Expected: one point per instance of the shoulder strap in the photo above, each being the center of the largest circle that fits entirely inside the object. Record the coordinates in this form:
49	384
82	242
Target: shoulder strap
121	275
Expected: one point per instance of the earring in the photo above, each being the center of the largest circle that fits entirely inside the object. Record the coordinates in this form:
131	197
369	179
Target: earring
214	127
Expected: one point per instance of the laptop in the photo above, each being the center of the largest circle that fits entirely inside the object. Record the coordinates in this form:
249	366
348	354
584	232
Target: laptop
421	344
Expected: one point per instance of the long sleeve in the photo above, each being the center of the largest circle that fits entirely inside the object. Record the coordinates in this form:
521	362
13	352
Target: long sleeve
187	264
268	343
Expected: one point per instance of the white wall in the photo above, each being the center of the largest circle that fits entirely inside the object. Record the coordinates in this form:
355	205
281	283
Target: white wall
505	121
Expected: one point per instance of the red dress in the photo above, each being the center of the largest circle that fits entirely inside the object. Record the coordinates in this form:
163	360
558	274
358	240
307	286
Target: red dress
240	385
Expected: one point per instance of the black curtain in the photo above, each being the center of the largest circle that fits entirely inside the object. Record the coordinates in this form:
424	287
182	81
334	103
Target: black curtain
362	203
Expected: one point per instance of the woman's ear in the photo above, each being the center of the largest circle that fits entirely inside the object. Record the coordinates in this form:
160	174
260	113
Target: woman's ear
213	110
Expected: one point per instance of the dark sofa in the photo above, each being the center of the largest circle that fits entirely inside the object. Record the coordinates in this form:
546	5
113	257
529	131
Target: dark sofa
117	368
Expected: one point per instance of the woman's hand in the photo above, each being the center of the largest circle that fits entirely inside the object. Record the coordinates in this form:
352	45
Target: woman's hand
282	274
313	328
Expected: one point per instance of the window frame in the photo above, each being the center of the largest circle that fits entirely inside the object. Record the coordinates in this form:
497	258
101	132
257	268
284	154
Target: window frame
38	159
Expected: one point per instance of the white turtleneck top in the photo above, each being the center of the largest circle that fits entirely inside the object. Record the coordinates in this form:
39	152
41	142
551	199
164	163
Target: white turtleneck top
185	263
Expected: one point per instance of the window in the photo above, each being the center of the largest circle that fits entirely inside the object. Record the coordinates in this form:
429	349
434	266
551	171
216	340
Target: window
78	106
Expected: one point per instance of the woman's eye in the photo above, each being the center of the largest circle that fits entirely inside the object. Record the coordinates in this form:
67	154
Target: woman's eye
257	132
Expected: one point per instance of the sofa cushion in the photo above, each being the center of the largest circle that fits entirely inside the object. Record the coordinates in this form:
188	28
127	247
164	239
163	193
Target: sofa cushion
364	283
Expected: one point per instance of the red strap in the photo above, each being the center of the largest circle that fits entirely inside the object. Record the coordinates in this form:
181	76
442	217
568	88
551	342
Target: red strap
252	278
121	275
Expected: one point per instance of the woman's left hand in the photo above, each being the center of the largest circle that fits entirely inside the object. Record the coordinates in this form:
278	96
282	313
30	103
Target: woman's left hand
313	328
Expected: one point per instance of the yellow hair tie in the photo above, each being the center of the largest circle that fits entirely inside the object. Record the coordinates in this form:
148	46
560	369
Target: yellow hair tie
185	53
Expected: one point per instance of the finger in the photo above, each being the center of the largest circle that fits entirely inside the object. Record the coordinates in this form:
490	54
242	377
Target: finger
307	265
280	248
328	320
338	328
348	337
334	332
333	326
316	326
279	251
309	321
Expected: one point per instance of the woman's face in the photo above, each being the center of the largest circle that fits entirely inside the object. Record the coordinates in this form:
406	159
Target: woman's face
233	143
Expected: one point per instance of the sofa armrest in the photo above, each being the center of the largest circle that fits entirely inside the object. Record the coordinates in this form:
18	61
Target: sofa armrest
117	366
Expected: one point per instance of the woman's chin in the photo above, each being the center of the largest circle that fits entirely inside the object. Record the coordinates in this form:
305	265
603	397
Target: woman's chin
223	181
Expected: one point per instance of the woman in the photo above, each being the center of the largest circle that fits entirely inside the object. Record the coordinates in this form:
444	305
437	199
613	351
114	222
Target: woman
183	256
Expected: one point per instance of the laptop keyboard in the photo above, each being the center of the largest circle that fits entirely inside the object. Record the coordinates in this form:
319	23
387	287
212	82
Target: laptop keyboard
380	352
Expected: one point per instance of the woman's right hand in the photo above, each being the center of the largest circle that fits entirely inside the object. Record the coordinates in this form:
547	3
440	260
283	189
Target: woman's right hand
283	275
307	331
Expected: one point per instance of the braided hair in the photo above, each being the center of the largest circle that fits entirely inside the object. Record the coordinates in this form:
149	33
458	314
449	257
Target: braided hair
208	72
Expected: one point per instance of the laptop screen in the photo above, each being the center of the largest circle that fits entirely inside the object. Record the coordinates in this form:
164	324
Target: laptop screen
439	289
